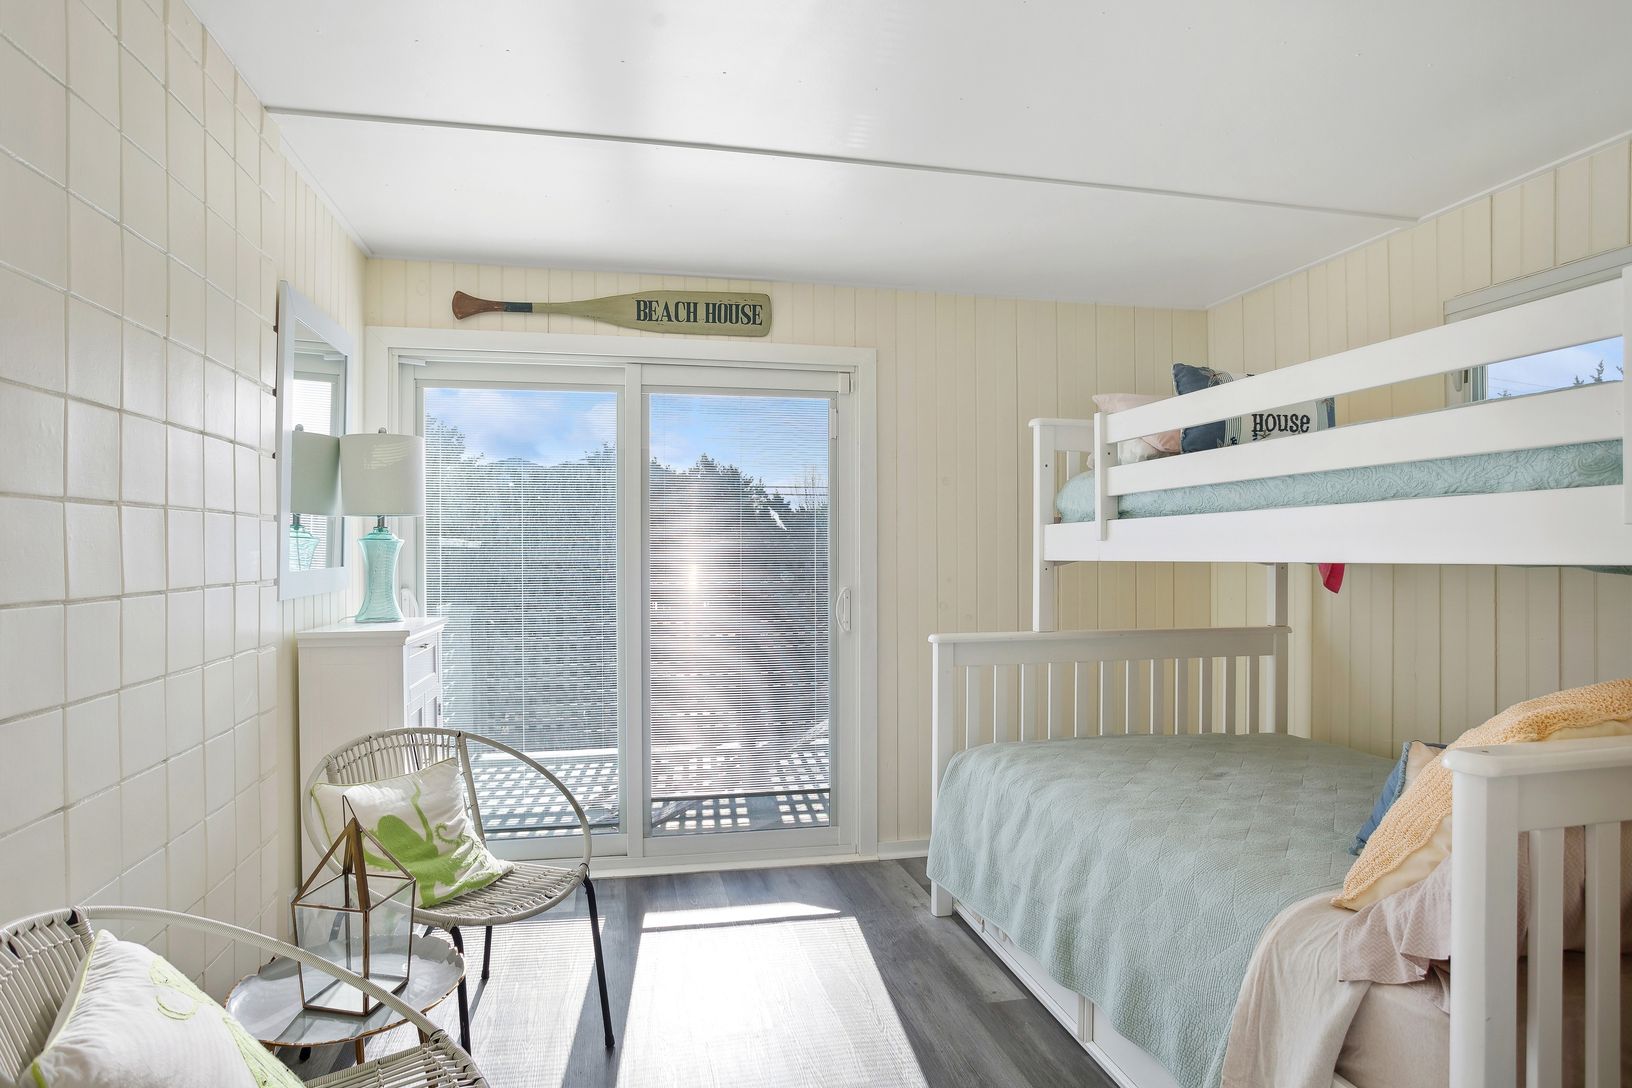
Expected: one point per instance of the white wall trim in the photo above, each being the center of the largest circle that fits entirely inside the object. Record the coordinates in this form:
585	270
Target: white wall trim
904	848
386	347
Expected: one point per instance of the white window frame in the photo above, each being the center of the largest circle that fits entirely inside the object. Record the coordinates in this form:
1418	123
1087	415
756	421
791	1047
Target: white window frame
1468	386
639	366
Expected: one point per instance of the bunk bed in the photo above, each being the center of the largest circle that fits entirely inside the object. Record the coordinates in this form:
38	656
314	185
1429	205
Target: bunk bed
1041	833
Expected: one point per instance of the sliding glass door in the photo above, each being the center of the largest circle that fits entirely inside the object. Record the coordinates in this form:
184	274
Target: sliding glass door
739	636
638	568
520	555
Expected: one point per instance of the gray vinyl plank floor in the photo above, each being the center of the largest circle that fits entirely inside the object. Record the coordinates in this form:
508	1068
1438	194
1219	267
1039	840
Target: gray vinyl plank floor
820	976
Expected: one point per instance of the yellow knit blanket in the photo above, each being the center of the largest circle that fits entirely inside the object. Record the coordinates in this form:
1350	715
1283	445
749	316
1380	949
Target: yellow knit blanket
1416	817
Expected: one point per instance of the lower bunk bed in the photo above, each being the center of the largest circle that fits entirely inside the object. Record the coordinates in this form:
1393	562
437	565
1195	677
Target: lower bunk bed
1164	887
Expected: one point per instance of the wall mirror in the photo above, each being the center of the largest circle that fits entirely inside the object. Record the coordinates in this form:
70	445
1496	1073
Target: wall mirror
316	382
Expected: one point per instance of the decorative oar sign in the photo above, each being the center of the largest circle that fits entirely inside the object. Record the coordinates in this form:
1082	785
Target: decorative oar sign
702	313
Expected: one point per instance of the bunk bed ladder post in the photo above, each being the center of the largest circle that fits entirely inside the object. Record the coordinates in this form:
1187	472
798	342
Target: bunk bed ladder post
1626	395
1280	601
1104	461
1044	578
1484	918
943	716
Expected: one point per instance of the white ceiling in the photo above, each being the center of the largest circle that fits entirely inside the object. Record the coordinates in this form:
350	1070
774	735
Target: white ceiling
1170	153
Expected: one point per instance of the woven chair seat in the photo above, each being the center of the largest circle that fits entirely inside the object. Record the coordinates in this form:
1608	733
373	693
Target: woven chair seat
436	1064
528	890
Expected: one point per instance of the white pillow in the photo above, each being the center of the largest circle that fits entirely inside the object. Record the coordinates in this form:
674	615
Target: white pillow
1135	450
422	818
133	1021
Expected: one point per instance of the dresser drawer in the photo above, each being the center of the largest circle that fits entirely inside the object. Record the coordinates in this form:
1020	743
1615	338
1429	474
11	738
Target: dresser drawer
421	662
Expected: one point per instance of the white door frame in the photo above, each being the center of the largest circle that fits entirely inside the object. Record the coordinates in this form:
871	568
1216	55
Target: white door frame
386	349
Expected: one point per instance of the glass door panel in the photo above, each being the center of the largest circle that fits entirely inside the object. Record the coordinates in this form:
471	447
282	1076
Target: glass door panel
739	639
521	543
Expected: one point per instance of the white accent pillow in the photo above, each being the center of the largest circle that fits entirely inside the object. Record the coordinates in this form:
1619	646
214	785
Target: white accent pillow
423	819
134	1021
1135	450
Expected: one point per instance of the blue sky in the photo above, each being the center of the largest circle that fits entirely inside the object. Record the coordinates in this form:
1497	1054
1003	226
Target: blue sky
1554	369
781	440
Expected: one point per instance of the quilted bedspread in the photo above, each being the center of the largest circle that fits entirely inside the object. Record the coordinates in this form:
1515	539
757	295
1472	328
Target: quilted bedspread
1140	871
1583	464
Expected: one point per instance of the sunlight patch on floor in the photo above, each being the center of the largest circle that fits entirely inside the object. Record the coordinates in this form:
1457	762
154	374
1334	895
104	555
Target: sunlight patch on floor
524	1027
739	915
789	1002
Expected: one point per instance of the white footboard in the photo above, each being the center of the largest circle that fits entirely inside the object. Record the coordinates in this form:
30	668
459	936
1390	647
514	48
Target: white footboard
1535	790
1030	686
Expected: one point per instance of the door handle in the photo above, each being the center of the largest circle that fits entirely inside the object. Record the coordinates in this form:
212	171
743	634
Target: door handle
841	609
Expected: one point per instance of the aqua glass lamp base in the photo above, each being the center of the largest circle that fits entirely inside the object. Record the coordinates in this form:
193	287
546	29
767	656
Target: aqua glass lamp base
380	550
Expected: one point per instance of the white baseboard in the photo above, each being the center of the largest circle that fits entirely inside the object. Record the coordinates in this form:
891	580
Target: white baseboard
904	848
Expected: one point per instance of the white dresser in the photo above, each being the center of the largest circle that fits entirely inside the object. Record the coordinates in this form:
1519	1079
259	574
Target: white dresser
360	678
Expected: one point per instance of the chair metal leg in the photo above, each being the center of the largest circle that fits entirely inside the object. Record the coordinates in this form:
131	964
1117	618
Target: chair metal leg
487	953
600	961
464	994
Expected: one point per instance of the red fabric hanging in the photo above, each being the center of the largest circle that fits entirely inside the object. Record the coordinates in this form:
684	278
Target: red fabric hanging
1331	576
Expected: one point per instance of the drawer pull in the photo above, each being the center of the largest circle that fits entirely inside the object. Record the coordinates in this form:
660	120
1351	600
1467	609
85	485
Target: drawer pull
423	646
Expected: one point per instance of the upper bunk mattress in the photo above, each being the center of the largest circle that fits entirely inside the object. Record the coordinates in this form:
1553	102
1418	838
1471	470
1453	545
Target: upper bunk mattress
1584	464
1140	871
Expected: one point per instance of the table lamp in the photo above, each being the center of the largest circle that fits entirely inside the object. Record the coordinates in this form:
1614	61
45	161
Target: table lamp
314	488
381	475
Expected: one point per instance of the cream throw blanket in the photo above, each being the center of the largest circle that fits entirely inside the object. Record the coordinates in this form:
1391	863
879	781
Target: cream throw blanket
1415	835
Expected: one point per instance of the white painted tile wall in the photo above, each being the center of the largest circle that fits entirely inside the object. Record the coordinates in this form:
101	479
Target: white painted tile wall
146	681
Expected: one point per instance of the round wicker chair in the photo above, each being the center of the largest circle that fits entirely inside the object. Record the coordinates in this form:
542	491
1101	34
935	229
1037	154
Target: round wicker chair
526	892
40	957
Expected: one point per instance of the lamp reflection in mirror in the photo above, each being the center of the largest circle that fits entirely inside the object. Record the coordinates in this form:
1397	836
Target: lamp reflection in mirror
314	488
381	475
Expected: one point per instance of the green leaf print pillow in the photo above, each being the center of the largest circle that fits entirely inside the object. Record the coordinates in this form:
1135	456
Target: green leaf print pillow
423	819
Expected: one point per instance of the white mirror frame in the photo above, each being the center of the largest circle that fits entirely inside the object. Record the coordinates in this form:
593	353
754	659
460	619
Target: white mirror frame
295	308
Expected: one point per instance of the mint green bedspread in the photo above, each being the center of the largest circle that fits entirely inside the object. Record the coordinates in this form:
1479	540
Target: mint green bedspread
1140	871
1584	464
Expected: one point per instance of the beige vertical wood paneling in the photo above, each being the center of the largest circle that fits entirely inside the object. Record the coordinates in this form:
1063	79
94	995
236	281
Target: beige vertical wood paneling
1539	213
1431	651
1607	198
1572	224
1506	234
1477	256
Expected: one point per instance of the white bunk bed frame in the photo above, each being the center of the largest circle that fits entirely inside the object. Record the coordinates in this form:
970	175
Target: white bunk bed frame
1040	685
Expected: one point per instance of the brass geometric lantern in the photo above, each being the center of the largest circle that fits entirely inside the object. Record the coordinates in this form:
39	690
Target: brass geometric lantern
361	918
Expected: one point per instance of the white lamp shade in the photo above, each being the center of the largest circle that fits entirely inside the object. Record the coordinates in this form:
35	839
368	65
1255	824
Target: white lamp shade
314	473
382	474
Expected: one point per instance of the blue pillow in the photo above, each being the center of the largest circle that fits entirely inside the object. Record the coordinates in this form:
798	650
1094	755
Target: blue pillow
1393	786
1188	379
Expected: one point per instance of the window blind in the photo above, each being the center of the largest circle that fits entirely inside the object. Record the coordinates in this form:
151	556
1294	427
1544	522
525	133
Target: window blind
520	536
738	641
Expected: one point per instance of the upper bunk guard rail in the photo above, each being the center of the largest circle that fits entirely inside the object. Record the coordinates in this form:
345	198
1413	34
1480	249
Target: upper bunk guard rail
1577	317
1499	794
1586	525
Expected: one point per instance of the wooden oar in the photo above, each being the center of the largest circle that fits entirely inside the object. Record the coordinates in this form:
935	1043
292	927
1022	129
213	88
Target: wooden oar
704	313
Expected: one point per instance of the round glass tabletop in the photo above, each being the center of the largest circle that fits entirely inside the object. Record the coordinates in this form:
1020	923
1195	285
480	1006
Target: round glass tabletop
268	1003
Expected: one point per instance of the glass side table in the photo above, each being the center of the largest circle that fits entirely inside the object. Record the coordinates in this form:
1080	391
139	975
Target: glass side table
268	1003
